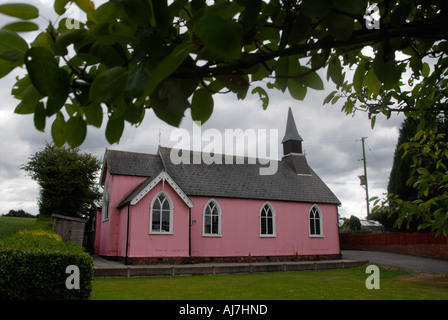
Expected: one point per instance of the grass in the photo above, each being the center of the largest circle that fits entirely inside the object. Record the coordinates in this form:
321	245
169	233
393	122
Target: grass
10	225
311	285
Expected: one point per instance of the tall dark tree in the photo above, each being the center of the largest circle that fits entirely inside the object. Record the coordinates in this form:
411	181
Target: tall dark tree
401	166
67	180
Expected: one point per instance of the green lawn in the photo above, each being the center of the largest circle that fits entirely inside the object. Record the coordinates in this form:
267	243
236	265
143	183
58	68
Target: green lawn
10	225
314	285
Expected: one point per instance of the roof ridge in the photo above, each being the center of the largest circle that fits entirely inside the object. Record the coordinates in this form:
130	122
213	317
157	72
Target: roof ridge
223	154
123	151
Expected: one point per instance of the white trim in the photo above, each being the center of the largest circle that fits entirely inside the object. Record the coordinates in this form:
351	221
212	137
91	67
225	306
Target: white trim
321	234
218	207
294	154
170	202
162	176
274	230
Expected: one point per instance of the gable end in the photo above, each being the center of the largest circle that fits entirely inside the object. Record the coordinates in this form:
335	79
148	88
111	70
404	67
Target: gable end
150	184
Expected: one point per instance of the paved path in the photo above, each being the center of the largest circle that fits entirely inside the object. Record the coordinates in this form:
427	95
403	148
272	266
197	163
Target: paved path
107	268
398	260
374	257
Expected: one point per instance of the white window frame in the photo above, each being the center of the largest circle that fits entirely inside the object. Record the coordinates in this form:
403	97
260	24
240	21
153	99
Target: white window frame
170	203
321	233
219	219
274	230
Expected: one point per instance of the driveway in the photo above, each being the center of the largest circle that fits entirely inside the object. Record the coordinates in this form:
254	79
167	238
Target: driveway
398	260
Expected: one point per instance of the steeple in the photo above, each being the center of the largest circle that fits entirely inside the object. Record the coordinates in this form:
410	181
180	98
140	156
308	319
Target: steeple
292	141
292	148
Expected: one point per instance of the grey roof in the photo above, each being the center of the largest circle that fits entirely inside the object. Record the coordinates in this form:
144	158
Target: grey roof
291	132
132	163
224	180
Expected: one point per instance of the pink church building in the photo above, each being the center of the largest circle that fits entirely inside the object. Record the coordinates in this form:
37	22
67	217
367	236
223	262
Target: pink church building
155	211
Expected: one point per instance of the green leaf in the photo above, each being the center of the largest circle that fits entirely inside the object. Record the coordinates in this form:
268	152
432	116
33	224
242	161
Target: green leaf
137	82
425	69
334	71
138	11
114	130
348	106
69	37
40	116
281	72
44	72
358	77
94	114
7	66
59	6
30	97
20	10
311	80
75	131
372	123
58	130
340	26
134	114
85	5
386	69
12	46
21	26
296	90
57	100
316	8
387	72
165	68
401	13
201	105
109	85
169	103
263	96
351	6
221	37
161	15
329	97
372	82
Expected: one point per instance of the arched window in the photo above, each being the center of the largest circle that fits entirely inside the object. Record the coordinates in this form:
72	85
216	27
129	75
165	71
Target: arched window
212	219
161	214
315	222
106	203
267	220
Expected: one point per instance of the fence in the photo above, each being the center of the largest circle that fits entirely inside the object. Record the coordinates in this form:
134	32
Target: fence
416	243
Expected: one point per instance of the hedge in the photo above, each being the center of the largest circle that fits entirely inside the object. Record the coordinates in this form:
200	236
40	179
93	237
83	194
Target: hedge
33	266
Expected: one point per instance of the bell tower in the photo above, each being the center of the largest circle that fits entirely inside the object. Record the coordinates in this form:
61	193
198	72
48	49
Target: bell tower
292	141
292	147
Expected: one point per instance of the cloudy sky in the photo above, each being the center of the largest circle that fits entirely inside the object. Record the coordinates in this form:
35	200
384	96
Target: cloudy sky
331	139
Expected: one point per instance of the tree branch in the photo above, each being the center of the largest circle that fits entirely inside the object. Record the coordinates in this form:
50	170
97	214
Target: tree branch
365	37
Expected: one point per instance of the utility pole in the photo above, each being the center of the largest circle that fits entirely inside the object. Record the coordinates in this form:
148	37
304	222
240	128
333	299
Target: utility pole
364	177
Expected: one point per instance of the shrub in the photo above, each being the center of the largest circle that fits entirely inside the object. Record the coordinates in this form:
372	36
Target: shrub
33	266
355	224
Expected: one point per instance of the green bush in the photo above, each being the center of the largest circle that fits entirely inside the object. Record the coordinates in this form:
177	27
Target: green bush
355	224
33	266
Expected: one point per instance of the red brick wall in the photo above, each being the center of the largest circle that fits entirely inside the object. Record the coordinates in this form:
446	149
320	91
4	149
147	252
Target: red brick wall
416	243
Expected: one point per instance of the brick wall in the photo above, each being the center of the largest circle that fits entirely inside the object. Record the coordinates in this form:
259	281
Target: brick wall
416	243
